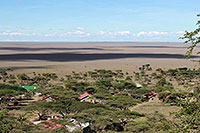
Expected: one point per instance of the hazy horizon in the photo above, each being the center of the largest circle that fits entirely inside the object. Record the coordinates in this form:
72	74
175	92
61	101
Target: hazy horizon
89	42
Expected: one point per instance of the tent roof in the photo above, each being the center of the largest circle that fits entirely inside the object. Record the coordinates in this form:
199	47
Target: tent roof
138	85
28	88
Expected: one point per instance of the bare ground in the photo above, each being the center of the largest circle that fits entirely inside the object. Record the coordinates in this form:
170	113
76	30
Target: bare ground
62	58
155	105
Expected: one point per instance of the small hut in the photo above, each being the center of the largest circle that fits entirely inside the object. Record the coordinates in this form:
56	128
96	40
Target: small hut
84	96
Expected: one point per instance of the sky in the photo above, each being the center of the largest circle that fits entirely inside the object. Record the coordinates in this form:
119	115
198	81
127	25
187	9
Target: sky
97	20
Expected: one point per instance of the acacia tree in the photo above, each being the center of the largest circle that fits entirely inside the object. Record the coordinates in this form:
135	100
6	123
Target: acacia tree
190	112
40	108
192	37
15	124
61	106
122	102
99	118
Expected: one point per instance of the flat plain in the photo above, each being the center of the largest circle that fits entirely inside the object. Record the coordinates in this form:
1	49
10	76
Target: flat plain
64	57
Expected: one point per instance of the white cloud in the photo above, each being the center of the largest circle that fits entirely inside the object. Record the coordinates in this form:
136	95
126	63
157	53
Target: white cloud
180	32
79	32
155	33
80	28
101	35
17	34
123	33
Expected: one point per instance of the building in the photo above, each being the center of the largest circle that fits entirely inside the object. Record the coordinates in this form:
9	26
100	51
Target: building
138	85
84	96
28	88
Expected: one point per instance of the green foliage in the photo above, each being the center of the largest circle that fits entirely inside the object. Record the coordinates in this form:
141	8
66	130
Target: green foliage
172	72
189	116
175	97
103	94
127	114
155	123
136	127
41	108
197	89
39	78
6	124
12	77
140	92
124	85
77	106
193	38
50	75
104	83
91	89
23	76
8	90
99	118
160	70
128	78
162	82
61	93
145	67
12	81
61	106
3	73
15	124
113	95
122	102
75	85
159	89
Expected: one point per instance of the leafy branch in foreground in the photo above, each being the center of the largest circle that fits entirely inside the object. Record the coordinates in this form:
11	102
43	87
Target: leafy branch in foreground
189	116
192	37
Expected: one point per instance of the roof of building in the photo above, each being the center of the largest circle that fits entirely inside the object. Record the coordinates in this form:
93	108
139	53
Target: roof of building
84	95
28	88
151	94
138	85
51	125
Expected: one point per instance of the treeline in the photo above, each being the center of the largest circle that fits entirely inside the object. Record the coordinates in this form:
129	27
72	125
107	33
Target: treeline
102	98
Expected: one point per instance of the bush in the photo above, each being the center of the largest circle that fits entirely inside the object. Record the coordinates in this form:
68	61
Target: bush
8	90
162	82
91	89
136	127
23	76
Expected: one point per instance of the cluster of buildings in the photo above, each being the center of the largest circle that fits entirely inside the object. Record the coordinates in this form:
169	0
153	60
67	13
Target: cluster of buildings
50	124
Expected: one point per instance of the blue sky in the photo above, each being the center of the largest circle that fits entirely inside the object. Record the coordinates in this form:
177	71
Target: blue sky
96	20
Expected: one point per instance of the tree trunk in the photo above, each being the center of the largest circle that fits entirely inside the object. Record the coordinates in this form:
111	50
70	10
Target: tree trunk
63	115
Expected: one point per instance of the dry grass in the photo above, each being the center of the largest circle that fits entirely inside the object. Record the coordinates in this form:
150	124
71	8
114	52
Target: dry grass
155	105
